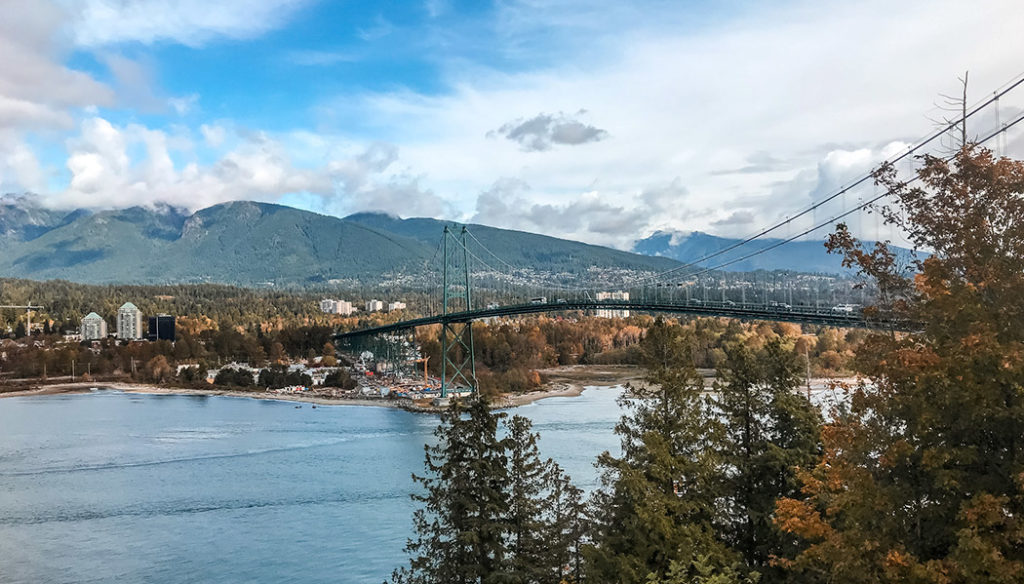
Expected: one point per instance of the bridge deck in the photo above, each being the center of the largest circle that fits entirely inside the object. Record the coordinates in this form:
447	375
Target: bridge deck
797	314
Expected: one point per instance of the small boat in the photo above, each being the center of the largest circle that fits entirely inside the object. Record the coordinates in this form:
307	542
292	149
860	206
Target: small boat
314	407
298	407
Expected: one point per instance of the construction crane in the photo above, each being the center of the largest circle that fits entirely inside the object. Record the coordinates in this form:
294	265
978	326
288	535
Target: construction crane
28	314
426	380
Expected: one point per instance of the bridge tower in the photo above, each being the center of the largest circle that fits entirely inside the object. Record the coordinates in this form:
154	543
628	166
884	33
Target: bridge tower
458	363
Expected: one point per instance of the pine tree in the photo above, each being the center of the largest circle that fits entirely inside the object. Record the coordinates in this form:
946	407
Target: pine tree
527	543
461	526
494	511
653	515
546	513
568	527
769	431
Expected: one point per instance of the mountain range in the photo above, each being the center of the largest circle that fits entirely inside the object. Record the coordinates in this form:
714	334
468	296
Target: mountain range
803	256
249	243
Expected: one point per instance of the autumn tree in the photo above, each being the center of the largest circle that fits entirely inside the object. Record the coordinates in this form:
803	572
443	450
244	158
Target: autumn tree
158	369
922	479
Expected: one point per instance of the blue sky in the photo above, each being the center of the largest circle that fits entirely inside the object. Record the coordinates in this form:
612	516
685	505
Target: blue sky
596	120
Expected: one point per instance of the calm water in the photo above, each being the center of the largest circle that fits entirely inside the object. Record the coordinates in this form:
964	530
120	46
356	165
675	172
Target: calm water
114	487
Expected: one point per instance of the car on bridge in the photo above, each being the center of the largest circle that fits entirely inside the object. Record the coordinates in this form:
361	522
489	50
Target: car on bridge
844	308
539	300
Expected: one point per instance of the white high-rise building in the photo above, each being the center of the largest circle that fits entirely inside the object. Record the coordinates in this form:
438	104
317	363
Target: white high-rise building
342	307
94	328
605	313
397	305
129	322
374	305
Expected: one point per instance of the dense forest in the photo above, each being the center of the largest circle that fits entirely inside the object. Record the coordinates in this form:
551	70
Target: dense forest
510	353
918	476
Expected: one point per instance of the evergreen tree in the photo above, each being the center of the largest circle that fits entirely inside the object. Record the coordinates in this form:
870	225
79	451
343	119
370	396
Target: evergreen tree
527	543
769	431
568	527
461	526
653	516
545	520
494	511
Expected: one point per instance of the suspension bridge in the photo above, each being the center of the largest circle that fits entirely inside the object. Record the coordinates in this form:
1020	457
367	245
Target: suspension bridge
683	289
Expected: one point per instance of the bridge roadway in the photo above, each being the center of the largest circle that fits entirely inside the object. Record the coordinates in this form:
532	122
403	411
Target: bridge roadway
796	314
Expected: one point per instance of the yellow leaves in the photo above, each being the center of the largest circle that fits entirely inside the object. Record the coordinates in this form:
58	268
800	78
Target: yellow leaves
985	510
800	518
897	559
918	357
929	286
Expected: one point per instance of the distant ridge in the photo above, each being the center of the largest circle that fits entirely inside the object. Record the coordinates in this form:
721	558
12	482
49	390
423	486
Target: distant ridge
801	256
249	243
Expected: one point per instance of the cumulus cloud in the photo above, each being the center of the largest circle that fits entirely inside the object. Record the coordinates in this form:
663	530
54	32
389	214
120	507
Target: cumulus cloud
35	89
742	110
757	111
104	172
115	166
542	131
20	169
504	204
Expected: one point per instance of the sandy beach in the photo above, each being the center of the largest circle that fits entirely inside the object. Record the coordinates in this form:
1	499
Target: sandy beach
561	382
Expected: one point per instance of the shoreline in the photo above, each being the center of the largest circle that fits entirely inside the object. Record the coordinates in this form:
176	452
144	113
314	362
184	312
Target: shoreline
564	381
551	389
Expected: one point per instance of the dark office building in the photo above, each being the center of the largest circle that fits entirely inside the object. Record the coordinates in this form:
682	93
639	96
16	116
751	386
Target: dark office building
161	328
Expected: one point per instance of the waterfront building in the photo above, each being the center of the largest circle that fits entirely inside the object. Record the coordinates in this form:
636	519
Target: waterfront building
161	328
374	305
605	313
397	305
129	322
93	327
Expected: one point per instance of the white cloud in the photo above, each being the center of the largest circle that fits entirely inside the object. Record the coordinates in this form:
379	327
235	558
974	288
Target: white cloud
105	173
188	22
35	89
213	134
543	131
742	111
590	216
722	121
20	169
